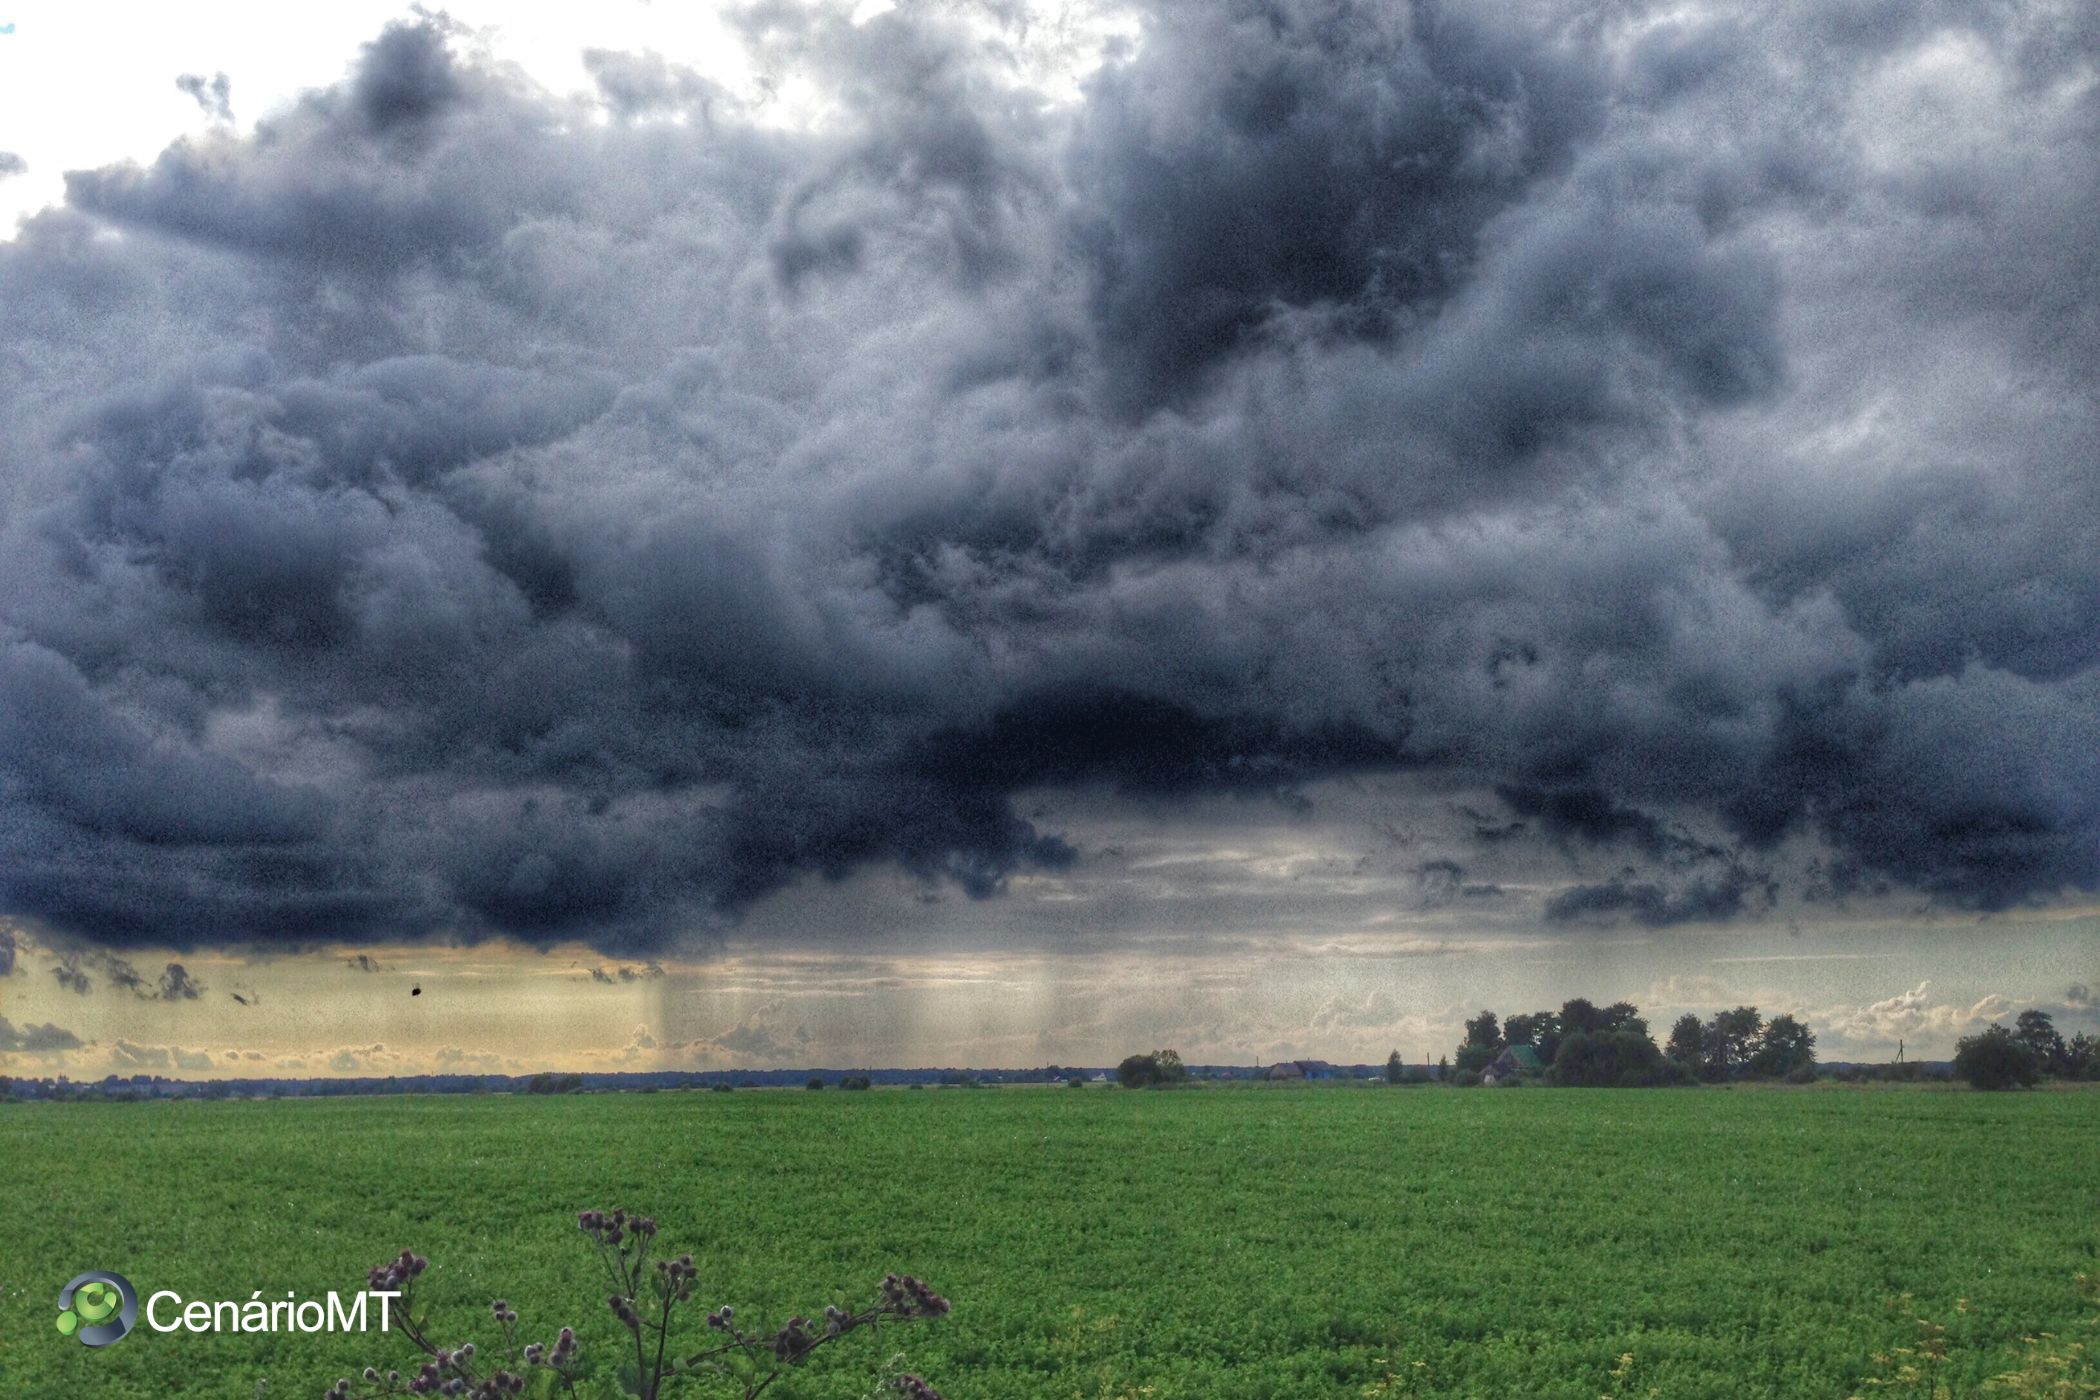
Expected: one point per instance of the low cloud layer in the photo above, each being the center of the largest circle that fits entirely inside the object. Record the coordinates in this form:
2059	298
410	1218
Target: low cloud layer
35	1039
457	510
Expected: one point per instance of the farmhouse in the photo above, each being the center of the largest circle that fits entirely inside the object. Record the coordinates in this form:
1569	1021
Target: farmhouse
1516	1060
1299	1069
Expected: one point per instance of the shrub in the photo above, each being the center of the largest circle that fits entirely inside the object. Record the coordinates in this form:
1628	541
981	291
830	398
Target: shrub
1994	1060
1077	1081
646	1301
814	1083
1161	1067
1801	1074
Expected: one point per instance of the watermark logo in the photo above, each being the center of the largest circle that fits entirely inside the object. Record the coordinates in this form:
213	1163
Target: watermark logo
98	1307
101	1307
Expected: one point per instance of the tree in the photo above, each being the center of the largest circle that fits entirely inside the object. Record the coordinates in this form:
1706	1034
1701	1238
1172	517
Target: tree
2035	1030
1579	1016
1148	1071
1394	1072
1730	1038
1623	1016
1612	1059
814	1083
1521	1029
1785	1046
2082	1057
1687	1041
1482	1044
1995	1059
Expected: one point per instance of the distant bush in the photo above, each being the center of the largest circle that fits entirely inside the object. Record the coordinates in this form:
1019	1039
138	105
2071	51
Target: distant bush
1994	1060
1156	1070
1077	1081
856	1081
720	1086
814	1083
1801	1074
1463	1078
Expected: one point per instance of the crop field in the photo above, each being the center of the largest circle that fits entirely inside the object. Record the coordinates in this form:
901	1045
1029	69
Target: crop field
1254	1242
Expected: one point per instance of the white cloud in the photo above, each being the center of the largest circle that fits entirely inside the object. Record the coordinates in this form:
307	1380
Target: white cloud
1910	1016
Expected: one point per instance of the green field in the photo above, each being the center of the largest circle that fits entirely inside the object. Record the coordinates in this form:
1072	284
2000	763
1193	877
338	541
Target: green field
1252	1242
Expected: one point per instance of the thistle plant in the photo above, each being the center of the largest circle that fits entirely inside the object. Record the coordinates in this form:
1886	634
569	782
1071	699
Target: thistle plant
645	1299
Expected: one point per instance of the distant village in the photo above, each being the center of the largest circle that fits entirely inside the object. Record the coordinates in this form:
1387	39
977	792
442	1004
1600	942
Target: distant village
125	1088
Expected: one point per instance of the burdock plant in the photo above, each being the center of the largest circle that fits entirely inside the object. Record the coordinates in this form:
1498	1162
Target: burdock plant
646	1296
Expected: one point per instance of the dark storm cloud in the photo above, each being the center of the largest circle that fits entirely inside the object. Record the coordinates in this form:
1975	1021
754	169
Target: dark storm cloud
72	976
1254	162
176	984
1593	816
447	513
77	970
647	972
1702	900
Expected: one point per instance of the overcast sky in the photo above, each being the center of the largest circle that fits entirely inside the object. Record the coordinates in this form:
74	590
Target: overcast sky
978	533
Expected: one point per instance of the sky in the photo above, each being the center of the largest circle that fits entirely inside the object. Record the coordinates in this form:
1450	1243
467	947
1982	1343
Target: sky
998	534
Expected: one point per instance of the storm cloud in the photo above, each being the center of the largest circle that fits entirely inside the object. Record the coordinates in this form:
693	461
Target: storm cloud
456	510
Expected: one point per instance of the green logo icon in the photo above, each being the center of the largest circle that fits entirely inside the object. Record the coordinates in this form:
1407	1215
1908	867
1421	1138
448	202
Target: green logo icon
98	1307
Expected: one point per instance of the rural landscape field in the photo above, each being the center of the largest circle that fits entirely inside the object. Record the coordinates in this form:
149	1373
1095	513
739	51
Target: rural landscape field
989	661
1254	1241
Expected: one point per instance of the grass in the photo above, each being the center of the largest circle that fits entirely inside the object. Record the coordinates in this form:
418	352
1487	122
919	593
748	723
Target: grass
1261	1241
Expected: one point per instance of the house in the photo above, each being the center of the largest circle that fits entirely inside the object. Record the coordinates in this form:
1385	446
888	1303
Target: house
1513	1061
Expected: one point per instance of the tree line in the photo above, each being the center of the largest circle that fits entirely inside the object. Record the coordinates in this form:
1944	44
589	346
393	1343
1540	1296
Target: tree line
1997	1058
1583	1044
